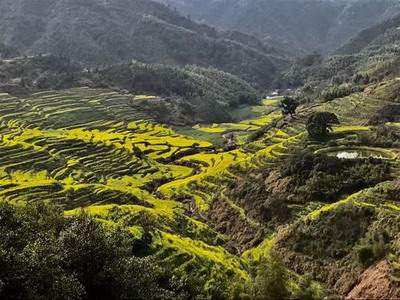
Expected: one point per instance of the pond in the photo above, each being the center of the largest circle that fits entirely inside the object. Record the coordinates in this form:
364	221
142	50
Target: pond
359	153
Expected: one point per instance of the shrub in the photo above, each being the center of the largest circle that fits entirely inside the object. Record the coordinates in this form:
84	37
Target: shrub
365	254
270	282
373	247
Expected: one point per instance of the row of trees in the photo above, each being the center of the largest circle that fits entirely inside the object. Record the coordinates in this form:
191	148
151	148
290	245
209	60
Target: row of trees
318	125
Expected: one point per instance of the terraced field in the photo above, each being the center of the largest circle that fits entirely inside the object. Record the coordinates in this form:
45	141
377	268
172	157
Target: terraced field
89	148
86	148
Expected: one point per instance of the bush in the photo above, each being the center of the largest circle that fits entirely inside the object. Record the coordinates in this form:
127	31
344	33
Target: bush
270	282
365	255
339	91
372	247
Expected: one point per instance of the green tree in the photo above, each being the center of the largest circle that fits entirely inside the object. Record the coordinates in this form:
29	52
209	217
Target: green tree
320	123
271	280
305	290
288	105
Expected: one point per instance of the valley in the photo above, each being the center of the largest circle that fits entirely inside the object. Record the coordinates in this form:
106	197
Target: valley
88	149
145	154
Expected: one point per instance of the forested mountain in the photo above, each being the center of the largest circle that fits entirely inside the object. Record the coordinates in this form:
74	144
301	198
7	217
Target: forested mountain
311	25
370	56
103	32
187	95
380	37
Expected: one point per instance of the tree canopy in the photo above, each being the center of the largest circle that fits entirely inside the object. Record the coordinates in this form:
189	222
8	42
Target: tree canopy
288	105
320	123
46	256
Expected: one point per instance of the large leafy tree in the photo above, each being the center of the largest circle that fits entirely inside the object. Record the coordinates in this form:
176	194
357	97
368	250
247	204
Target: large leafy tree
288	105
320	123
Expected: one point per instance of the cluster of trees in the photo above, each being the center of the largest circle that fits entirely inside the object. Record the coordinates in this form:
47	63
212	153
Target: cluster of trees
373	246
188	95
271	280
326	178
339	91
44	255
189	82
382	136
41	72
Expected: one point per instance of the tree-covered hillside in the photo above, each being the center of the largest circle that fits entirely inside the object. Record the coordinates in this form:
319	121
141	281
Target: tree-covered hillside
181	96
371	56
103	32
298	26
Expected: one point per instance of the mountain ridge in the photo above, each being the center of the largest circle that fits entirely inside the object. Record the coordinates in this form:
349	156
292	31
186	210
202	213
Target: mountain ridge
103	32
304	25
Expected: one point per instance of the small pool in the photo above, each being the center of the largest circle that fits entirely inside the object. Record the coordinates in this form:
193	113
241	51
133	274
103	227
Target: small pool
359	153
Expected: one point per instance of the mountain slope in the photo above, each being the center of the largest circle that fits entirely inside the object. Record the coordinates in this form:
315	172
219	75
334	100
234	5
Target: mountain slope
310	25
103	32
381	36
181	96
370	56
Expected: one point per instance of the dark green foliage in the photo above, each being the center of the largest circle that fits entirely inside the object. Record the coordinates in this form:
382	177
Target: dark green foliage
190	94
326	178
305	290
339	91
320	123
365	254
382	136
373	247
99	33
188	82
288	105
271	281
39	72
45	256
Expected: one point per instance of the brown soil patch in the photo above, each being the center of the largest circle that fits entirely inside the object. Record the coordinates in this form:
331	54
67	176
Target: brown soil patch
375	283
